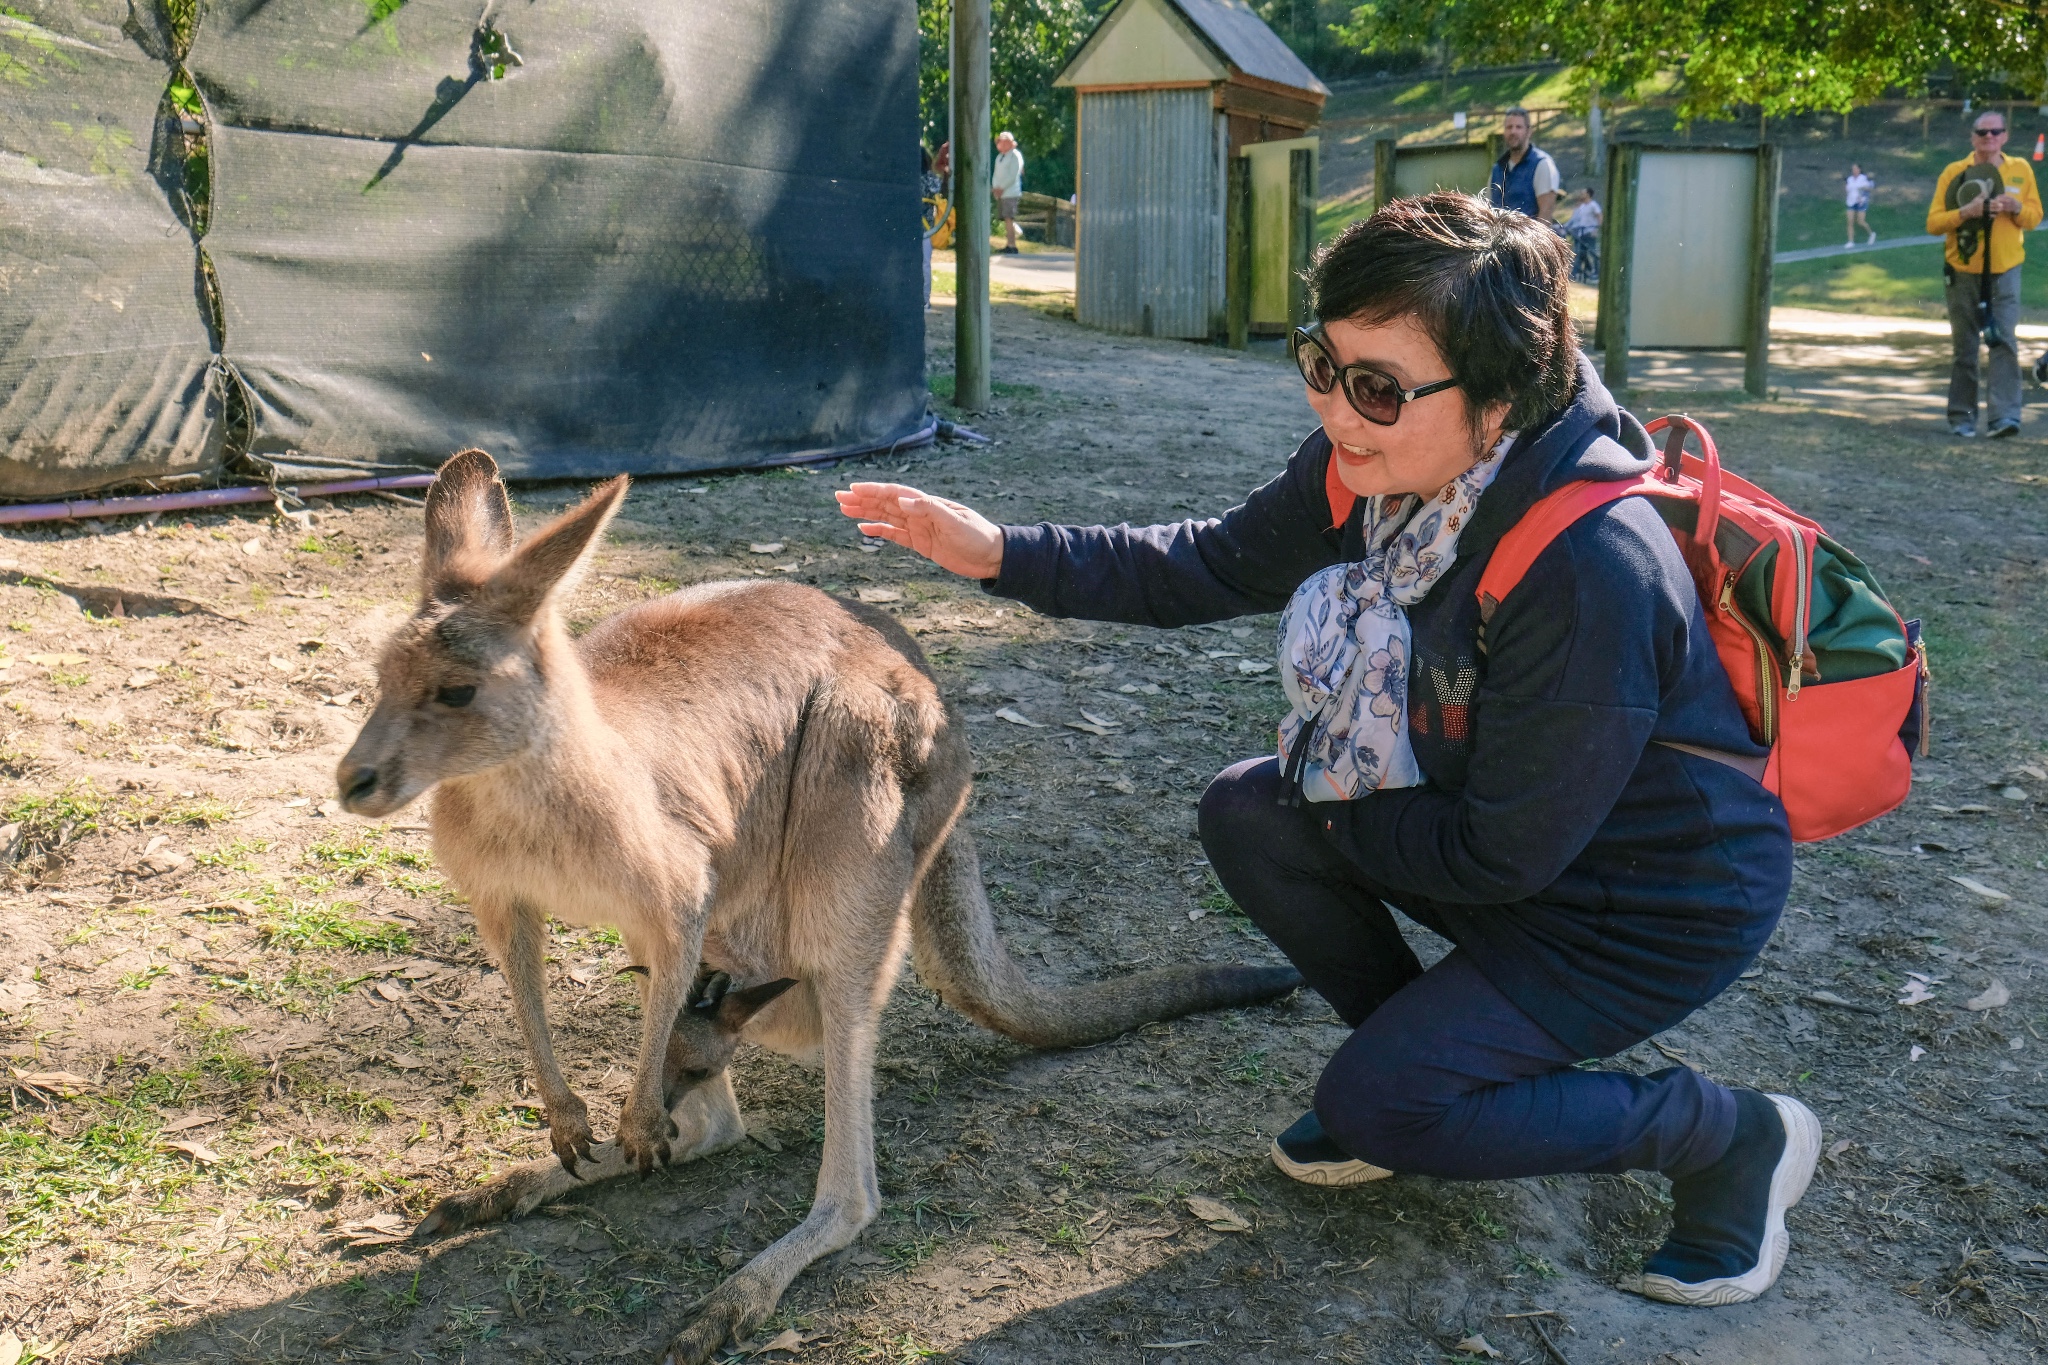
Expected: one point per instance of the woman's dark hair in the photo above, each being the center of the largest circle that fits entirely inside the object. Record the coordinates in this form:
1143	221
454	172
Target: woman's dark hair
1486	284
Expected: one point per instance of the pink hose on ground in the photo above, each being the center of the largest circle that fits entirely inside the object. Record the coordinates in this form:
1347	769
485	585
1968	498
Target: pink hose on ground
204	497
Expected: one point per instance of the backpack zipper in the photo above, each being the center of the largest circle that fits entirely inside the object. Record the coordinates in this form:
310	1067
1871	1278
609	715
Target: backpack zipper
1766	666
1795	662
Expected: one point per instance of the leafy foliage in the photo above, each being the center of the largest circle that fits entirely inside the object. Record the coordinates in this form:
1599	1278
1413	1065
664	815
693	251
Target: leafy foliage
1030	41
1780	58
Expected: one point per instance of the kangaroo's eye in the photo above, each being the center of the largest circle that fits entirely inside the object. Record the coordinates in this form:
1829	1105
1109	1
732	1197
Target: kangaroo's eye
455	696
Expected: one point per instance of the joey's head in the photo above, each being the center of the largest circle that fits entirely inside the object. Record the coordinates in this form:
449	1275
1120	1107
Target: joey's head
462	685
707	1030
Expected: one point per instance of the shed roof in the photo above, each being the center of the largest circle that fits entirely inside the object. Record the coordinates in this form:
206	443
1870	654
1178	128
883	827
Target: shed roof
1229	29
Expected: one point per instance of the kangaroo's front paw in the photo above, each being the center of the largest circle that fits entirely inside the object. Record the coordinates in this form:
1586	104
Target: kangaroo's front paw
645	1133
569	1132
728	1313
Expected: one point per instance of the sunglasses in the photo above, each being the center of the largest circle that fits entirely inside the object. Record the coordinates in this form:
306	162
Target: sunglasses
1373	393
1987	132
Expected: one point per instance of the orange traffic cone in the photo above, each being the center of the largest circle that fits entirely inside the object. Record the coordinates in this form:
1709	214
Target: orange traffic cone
2040	146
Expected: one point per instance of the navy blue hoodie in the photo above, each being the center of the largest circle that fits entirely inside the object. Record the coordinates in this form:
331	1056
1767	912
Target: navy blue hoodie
1607	884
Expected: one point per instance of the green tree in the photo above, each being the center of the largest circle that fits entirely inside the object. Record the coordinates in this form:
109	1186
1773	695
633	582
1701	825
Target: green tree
1030	41
1783	56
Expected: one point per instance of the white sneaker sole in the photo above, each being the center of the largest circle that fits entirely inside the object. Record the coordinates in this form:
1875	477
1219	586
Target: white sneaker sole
1788	1187
1328	1174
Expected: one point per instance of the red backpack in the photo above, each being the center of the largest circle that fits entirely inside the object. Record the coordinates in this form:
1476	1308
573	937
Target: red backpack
1830	678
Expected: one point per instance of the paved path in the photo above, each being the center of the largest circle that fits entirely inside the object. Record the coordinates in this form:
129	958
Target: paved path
1819	253
1855	364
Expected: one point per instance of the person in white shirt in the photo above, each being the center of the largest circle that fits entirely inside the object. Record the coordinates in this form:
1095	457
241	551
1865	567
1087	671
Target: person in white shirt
1856	194
1007	185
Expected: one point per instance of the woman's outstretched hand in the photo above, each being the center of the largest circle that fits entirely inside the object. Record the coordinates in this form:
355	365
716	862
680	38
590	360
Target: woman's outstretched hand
952	536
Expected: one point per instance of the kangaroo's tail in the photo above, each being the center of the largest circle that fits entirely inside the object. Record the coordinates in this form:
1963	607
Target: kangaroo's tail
959	955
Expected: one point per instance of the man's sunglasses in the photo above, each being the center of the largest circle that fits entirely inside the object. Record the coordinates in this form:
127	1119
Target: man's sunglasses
1376	395
1987	132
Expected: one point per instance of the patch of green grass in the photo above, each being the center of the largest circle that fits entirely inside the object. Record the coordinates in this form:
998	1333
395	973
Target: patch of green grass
202	812
301	925
354	856
76	810
141	981
234	857
941	384
66	678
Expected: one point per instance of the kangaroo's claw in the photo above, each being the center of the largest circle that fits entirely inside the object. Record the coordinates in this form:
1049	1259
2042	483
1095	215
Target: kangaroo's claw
569	1133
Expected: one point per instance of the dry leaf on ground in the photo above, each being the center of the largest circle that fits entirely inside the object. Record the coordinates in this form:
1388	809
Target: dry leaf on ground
788	1339
765	547
1253	666
1916	993
1217	1214
190	1121
1477	1345
62	1083
879	595
1994	995
1977	888
198	1151
379	1229
391	990
1088	727
10	1348
56	660
1103	721
1016	717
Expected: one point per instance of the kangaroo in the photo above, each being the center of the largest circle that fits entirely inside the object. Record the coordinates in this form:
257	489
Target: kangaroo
752	776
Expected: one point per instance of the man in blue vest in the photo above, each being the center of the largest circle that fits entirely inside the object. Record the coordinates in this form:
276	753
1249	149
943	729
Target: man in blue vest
1525	179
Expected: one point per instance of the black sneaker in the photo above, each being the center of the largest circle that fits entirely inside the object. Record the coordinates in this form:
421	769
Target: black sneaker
1306	1153
2001	430
2041	370
1728	1239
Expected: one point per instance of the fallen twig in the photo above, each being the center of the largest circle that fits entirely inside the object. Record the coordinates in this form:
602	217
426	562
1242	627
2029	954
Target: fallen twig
1836	1002
1555	1354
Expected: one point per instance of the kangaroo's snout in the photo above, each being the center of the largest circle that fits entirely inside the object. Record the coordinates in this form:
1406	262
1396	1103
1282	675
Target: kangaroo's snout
356	781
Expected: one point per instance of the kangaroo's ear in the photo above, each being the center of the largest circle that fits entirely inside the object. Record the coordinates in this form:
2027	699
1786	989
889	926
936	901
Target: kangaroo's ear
467	512
739	1006
554	556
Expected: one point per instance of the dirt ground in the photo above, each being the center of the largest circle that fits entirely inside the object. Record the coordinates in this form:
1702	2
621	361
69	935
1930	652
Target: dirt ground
242	1026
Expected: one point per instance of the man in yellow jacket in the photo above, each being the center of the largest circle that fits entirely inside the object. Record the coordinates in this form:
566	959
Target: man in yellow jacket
1985	205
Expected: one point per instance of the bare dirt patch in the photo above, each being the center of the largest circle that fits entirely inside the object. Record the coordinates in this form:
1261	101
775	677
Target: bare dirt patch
239	1026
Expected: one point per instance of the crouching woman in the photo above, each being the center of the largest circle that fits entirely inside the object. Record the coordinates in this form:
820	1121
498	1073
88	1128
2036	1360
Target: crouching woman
1561	791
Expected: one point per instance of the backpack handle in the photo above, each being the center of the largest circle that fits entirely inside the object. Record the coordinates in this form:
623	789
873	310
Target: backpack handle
1678	425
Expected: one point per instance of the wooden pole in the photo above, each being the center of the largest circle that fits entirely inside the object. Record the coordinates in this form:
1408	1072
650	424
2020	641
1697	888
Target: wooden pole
1616	269
1383	153
970	194
1756	357
1237	252
1301	235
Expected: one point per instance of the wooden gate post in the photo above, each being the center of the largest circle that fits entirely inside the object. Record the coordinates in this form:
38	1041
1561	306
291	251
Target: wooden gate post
1383	153
1301	231
1617	252
1237	252
1756	358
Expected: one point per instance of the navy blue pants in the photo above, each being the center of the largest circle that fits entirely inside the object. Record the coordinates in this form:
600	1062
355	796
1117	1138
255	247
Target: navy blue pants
1442	1075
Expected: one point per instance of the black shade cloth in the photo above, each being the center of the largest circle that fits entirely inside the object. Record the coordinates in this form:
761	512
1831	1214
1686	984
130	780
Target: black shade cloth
677	235
103	339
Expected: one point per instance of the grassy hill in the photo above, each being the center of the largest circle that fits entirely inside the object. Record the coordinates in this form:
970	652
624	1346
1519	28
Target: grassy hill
1887	141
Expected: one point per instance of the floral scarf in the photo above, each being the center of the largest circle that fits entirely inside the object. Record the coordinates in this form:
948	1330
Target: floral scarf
1344	643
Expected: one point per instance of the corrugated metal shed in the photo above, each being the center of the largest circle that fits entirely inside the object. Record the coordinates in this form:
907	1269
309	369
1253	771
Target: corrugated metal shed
1169	91
1247	44
1151	257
